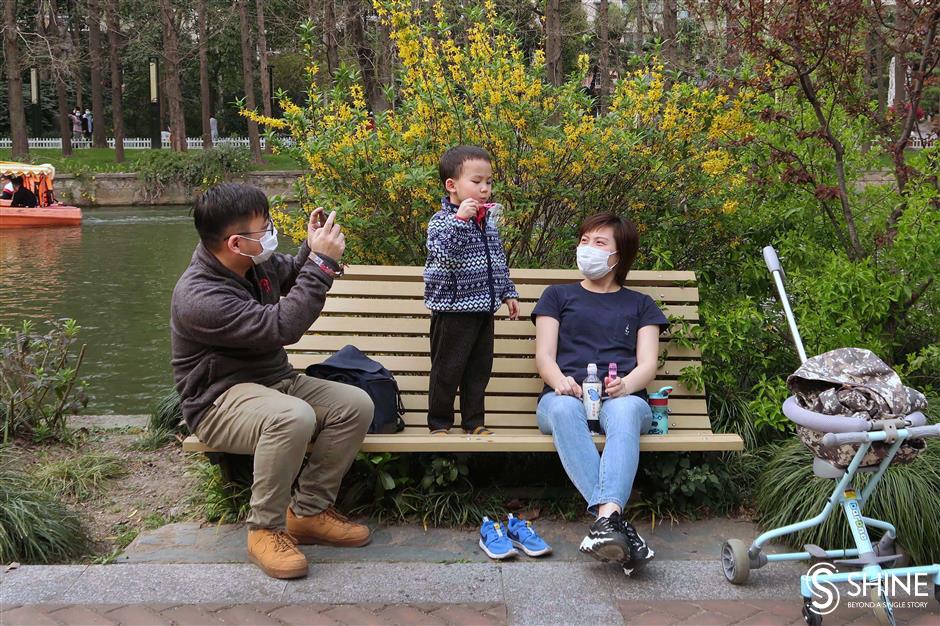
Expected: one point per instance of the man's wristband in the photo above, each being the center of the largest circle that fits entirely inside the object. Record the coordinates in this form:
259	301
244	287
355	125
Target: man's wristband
330	267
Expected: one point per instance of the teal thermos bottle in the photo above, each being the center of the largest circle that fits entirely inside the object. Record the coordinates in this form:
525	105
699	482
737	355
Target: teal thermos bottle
659	402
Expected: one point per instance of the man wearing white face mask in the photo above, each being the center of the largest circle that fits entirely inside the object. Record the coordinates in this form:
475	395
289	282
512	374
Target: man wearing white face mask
600	321
233	310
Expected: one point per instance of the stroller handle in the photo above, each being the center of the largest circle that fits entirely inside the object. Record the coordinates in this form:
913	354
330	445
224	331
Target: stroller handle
770	258
914	432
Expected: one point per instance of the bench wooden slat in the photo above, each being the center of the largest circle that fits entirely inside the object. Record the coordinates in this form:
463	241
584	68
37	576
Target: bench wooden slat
531	386
348	325
421	364
399	290
387	307
523	404
524	276
526	421
421	345
673	442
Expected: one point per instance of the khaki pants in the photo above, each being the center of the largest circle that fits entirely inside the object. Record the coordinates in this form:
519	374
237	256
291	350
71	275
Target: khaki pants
275	424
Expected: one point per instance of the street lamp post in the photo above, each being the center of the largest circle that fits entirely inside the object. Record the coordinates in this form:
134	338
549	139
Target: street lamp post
34	109
155	140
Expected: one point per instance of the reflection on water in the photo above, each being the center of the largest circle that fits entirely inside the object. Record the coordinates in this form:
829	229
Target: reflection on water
114	274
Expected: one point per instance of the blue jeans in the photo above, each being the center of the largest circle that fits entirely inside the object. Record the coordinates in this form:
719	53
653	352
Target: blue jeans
601	478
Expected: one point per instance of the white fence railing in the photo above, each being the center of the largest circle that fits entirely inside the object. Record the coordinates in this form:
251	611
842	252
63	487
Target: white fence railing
916	142
135	143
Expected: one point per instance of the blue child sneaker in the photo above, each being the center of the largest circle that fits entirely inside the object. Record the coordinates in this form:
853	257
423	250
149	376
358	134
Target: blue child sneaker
524	537
494	541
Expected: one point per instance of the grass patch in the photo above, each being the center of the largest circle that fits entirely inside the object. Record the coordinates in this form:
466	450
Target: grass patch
95	160
153	440
217	500
78	478
908	497
167	413
34	526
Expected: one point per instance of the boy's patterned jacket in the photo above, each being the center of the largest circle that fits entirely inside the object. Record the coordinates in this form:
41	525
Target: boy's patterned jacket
466	270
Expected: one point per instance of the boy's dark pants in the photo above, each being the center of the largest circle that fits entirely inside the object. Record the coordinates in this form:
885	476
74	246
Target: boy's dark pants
461	356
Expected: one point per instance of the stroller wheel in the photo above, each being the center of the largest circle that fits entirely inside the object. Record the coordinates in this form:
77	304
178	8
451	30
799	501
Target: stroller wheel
811	617
735	562
884	613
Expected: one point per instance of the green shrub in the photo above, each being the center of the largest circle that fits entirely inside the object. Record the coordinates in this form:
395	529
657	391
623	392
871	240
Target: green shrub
908	497
39	383
685	485
196	169
35	527
78	478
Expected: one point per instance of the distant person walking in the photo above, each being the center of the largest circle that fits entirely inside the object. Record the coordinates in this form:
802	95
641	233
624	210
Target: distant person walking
88	123
76	118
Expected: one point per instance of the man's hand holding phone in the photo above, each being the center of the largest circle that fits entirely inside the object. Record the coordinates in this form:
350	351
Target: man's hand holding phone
325	237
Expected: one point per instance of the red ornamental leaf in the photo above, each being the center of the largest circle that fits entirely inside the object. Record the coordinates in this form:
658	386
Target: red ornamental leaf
826	192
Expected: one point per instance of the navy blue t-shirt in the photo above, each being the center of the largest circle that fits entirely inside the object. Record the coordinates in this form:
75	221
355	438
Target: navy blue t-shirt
597	328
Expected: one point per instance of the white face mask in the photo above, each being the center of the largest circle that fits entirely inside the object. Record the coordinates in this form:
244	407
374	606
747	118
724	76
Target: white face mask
593	262
268	245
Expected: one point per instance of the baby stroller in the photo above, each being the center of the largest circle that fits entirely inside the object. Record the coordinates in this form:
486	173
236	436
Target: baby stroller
738	559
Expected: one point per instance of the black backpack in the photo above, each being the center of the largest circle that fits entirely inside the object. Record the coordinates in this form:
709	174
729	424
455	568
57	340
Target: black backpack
352	367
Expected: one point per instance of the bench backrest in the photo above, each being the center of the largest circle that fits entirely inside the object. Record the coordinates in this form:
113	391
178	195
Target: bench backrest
380	310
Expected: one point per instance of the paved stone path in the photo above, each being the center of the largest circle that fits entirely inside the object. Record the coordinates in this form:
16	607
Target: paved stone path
698	613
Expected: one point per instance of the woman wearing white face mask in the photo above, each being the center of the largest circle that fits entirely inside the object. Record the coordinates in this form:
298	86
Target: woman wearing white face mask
598	320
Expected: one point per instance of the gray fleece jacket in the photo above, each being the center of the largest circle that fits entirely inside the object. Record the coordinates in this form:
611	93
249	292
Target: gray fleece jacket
227	329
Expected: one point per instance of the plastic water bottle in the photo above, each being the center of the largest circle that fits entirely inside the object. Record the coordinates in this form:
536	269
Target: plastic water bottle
659	403
591	390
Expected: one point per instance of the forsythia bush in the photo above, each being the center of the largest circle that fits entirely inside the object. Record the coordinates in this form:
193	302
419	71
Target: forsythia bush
666	154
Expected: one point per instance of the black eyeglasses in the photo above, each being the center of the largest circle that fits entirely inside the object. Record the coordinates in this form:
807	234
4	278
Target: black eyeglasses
269	229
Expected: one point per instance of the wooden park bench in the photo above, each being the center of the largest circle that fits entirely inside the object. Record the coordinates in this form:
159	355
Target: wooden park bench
380	310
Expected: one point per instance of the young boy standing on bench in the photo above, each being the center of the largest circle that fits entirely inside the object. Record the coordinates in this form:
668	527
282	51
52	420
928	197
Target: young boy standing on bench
466	280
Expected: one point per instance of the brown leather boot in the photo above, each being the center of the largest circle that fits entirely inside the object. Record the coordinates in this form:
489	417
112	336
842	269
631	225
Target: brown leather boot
276	553
329	528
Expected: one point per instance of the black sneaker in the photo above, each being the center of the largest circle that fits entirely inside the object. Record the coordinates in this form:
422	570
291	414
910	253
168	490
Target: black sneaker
606	540
640	552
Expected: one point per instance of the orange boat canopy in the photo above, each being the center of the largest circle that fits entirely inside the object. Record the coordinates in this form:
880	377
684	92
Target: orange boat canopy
37	178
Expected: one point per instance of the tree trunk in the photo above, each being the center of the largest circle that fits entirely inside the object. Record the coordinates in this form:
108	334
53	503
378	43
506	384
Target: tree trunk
77	77
732	53
553	65
254	138
204	95
65	124
366	56
603	56
263	64
117	82
383	68
640	26
670	32
329	36
98	138
55	32
174	94
11	55
882	79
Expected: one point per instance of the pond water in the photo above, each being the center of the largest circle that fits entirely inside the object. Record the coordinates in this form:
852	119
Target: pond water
114	274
